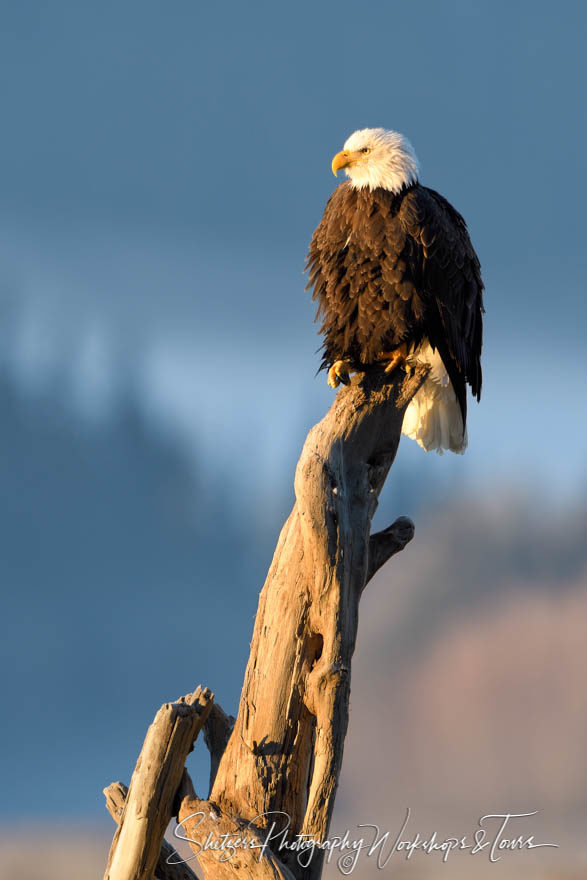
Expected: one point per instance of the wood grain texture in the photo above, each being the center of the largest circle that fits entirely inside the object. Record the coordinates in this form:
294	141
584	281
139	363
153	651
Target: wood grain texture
285	752
149	804
167	868
274	771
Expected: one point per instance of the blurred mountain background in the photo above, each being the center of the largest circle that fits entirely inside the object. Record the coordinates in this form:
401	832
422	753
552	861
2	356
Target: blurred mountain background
162	170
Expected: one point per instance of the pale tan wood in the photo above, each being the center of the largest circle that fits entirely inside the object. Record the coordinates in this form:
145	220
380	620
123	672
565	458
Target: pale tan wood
202	820
284	754
149	803
115	795
168	865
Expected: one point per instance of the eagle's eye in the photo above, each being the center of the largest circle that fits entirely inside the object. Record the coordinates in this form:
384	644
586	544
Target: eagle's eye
365	150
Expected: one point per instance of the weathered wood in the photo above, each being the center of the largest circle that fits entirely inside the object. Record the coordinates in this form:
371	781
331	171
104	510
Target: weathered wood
285	752
240	845
168	865
278	770
115	795
386	543
217	730
149	803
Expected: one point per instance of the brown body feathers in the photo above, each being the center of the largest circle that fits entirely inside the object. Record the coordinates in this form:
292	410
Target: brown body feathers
391	268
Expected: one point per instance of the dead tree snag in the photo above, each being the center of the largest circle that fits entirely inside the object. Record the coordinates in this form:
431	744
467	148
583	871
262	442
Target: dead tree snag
283	755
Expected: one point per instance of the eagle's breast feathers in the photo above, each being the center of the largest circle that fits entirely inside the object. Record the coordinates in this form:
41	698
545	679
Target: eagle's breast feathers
398	267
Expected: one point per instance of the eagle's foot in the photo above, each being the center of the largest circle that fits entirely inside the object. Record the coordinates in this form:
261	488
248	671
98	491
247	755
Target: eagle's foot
394	359
339	372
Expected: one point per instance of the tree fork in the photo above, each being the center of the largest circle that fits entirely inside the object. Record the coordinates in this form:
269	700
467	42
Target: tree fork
284	753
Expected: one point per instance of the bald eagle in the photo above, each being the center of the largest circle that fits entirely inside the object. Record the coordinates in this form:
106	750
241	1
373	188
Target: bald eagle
398	283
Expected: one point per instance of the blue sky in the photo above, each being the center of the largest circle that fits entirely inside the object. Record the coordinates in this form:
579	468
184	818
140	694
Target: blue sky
162	168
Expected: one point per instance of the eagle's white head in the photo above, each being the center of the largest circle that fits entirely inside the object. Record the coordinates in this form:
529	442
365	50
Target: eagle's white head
375	157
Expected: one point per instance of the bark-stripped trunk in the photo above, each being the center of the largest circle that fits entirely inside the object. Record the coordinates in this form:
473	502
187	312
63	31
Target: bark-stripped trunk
284	753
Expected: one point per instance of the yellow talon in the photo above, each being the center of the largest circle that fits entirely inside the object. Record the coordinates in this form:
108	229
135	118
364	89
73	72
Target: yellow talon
394	358
338	372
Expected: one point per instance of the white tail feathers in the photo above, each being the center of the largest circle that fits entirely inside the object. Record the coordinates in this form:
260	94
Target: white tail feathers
433	417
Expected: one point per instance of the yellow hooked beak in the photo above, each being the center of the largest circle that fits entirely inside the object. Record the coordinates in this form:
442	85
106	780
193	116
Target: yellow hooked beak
341	160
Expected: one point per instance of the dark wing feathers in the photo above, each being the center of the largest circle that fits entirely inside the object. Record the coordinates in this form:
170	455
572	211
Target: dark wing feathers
391	268
453	276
